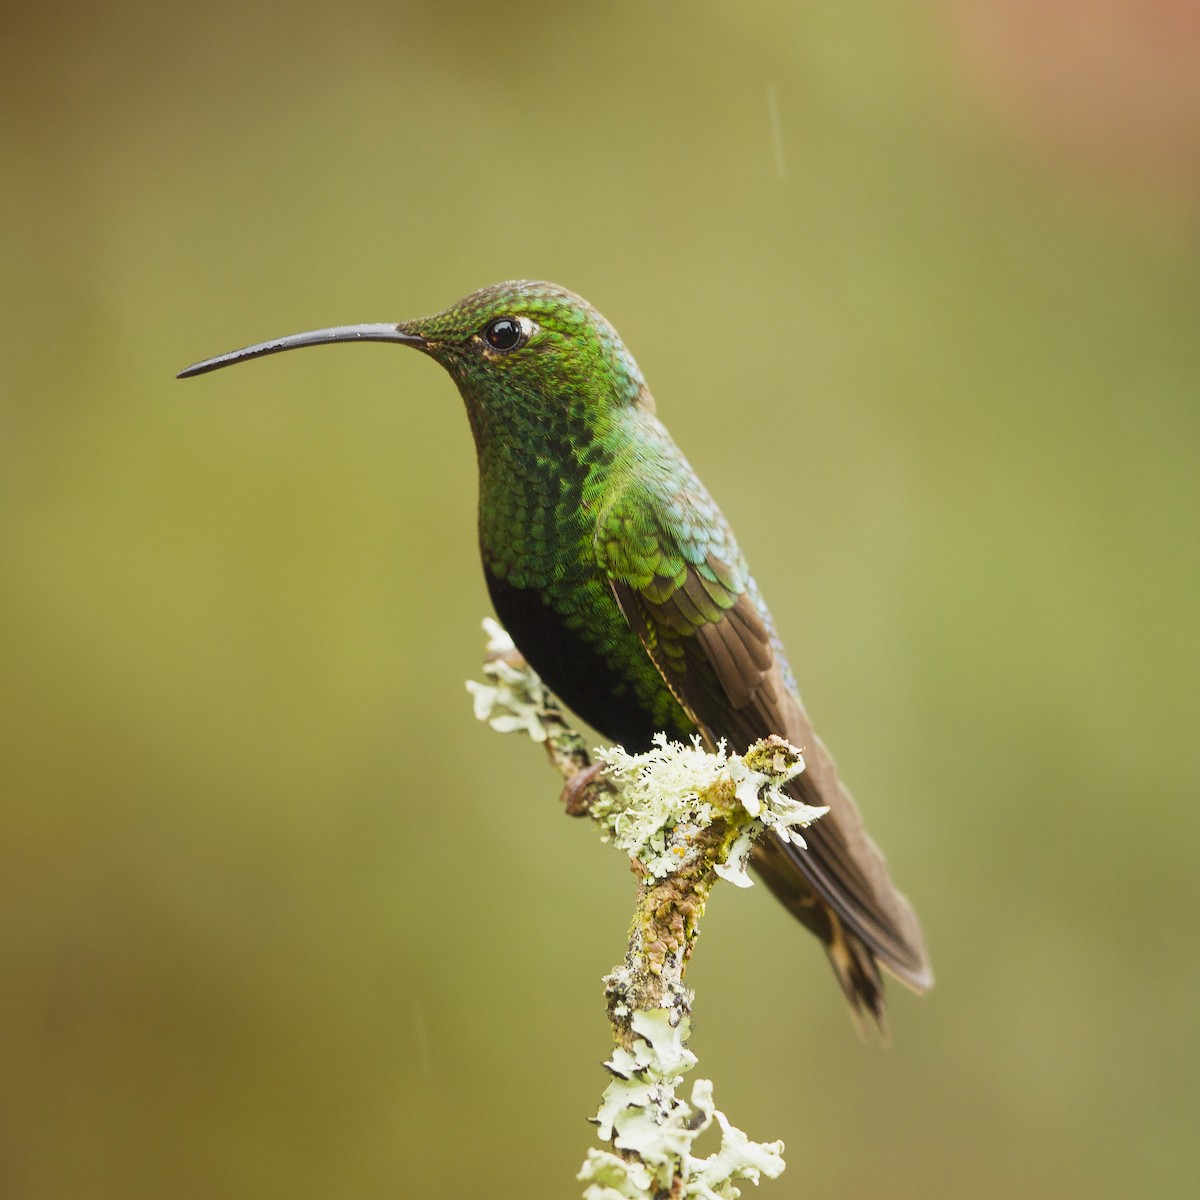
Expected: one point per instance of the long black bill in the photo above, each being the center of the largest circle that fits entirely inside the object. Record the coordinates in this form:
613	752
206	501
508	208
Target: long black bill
316	337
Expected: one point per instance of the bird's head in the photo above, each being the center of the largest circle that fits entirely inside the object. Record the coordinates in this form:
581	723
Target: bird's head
530	339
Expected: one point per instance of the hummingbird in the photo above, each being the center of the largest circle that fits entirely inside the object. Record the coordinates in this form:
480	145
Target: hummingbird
623	586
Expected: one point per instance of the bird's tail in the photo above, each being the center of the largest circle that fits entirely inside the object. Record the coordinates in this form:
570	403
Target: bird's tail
858	973
855	963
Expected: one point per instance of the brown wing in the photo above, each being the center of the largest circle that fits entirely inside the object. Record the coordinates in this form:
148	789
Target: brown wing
715	650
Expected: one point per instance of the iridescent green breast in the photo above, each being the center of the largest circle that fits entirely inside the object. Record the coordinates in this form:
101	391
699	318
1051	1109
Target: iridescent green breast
537	538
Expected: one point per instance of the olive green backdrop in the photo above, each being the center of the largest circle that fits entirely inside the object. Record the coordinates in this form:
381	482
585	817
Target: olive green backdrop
916	289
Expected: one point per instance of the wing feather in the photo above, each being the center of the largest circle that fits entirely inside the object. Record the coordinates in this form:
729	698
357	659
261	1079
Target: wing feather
714	644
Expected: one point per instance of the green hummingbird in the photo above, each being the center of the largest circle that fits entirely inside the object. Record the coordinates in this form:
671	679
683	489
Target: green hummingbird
623	586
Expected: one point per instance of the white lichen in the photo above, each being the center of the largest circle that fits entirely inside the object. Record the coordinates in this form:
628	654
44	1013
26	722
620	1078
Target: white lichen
614	1178
514	698
642	1115
658	804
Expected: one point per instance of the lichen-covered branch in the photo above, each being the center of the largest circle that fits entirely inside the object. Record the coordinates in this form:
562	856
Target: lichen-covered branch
686	817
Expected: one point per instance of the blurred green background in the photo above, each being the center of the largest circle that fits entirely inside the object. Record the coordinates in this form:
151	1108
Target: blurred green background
916	288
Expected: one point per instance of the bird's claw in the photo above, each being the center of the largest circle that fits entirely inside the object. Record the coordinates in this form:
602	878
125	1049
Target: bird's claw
576	794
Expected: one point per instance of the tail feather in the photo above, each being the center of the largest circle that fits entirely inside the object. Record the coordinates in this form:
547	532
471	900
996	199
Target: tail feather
858	973
854	962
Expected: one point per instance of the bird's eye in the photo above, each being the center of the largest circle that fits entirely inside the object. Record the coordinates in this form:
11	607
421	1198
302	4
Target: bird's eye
504	333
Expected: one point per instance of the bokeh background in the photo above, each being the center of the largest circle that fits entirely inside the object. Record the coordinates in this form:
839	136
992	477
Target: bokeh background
917	289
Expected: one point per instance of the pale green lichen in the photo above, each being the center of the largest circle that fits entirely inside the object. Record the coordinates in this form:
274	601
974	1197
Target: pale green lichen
641	1115
614	1178
662	795
514	699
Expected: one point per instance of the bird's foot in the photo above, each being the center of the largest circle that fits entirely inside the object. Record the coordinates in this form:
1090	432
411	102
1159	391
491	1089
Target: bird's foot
577	794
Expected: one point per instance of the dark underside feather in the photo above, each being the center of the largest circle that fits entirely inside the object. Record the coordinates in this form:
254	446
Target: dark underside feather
587	681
